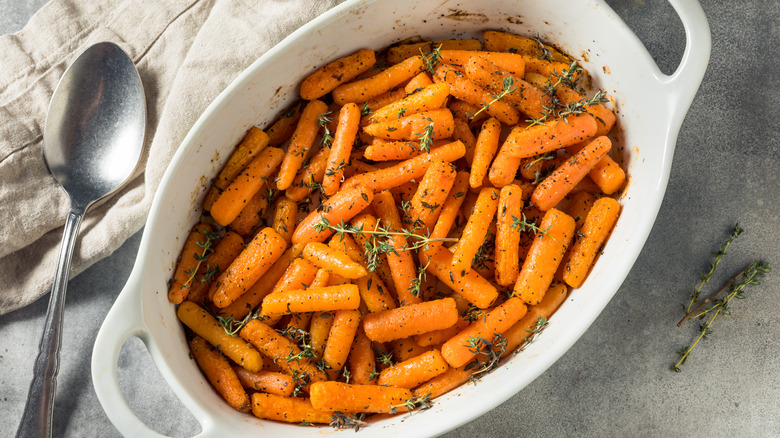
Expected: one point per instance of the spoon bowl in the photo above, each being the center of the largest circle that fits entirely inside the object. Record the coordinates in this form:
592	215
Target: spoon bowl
93	140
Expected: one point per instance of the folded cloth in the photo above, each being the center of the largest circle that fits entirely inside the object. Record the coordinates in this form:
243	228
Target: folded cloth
186	51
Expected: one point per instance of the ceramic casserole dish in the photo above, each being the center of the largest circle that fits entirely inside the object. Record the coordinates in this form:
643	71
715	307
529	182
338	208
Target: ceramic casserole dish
650	108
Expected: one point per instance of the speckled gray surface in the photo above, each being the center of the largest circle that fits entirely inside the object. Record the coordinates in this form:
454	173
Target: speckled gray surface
616	380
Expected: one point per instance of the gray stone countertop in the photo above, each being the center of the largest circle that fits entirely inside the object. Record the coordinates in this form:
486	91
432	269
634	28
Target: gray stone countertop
616	380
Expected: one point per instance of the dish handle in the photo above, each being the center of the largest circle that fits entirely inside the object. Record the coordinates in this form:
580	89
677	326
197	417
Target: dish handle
124	320
684	82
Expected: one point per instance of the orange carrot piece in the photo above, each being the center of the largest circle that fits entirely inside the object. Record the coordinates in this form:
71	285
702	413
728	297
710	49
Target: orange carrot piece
259	255
414	371
299	275
438	337
365	89
249	300
510	206
476	229
380	101
282	129
245	186
302	140
342	334
523	330
310	176
399	53
505	41
320	299
227	249
484	151
413	127
464	89
472	286
319	331
250	146
287	409
458	351
374	294
349	118
510	62
337	396
385	179
427	202
579	205
343	206
504	168
557	185
362	362
526	97
335	73
410	320
405	349
281	350
417	83
401	262
451	207
594	232
461	131
207	327
252	214
443	383
332	260
383	150
555	134
284	218
218	371
532	168
608	175
544	256
548	69
184	276
428	99
266	381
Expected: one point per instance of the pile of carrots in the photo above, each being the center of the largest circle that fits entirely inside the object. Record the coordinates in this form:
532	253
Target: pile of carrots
399	230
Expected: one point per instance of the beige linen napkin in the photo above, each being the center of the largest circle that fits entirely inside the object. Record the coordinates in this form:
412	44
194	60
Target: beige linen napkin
187	52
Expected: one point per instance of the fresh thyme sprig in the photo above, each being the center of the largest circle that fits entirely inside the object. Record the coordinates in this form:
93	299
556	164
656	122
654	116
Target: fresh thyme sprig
544	52
522	224
231	326
491	350
431	58
207	249
426	136
537	328
417	281
507	89
384	357
717	257
421	403
750	275
323	120
340	420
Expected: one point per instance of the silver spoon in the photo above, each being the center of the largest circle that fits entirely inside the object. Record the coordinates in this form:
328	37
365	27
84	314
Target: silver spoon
92	142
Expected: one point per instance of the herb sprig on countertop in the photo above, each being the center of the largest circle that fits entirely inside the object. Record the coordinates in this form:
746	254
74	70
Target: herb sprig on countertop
713	306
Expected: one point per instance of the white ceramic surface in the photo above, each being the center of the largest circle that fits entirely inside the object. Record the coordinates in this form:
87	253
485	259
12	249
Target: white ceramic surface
651	107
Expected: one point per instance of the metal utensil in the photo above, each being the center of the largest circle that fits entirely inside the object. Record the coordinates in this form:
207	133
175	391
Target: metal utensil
92	142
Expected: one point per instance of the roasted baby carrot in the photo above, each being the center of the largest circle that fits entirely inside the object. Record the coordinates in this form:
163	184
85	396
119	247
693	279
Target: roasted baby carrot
343	206
250	146
544	256
337	396
530	324
282	129
414	371
374	294
249	300
471	286
362	362
287	409
284	218
594	232
342	334
505	41
340	149
227	249
308	178
555	134
206	326
464	89
259	255
383	150
332	260
443	383
405	349
299	275
284	352
266	381
484	151
563	179
438	337
417	83
451	207
300	143
399	53
410	320
252	214
245	186
608	175
429	198
461	131
476	229
320	299
368	88
185	274
526	97
511	62
434	124
218	371
510	206
335	73
429	98
460	349
319	330
401	262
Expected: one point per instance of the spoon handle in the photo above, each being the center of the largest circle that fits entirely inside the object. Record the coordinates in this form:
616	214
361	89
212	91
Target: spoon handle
37	417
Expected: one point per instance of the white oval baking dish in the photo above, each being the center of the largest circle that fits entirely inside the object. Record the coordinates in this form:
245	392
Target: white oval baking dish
651	107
